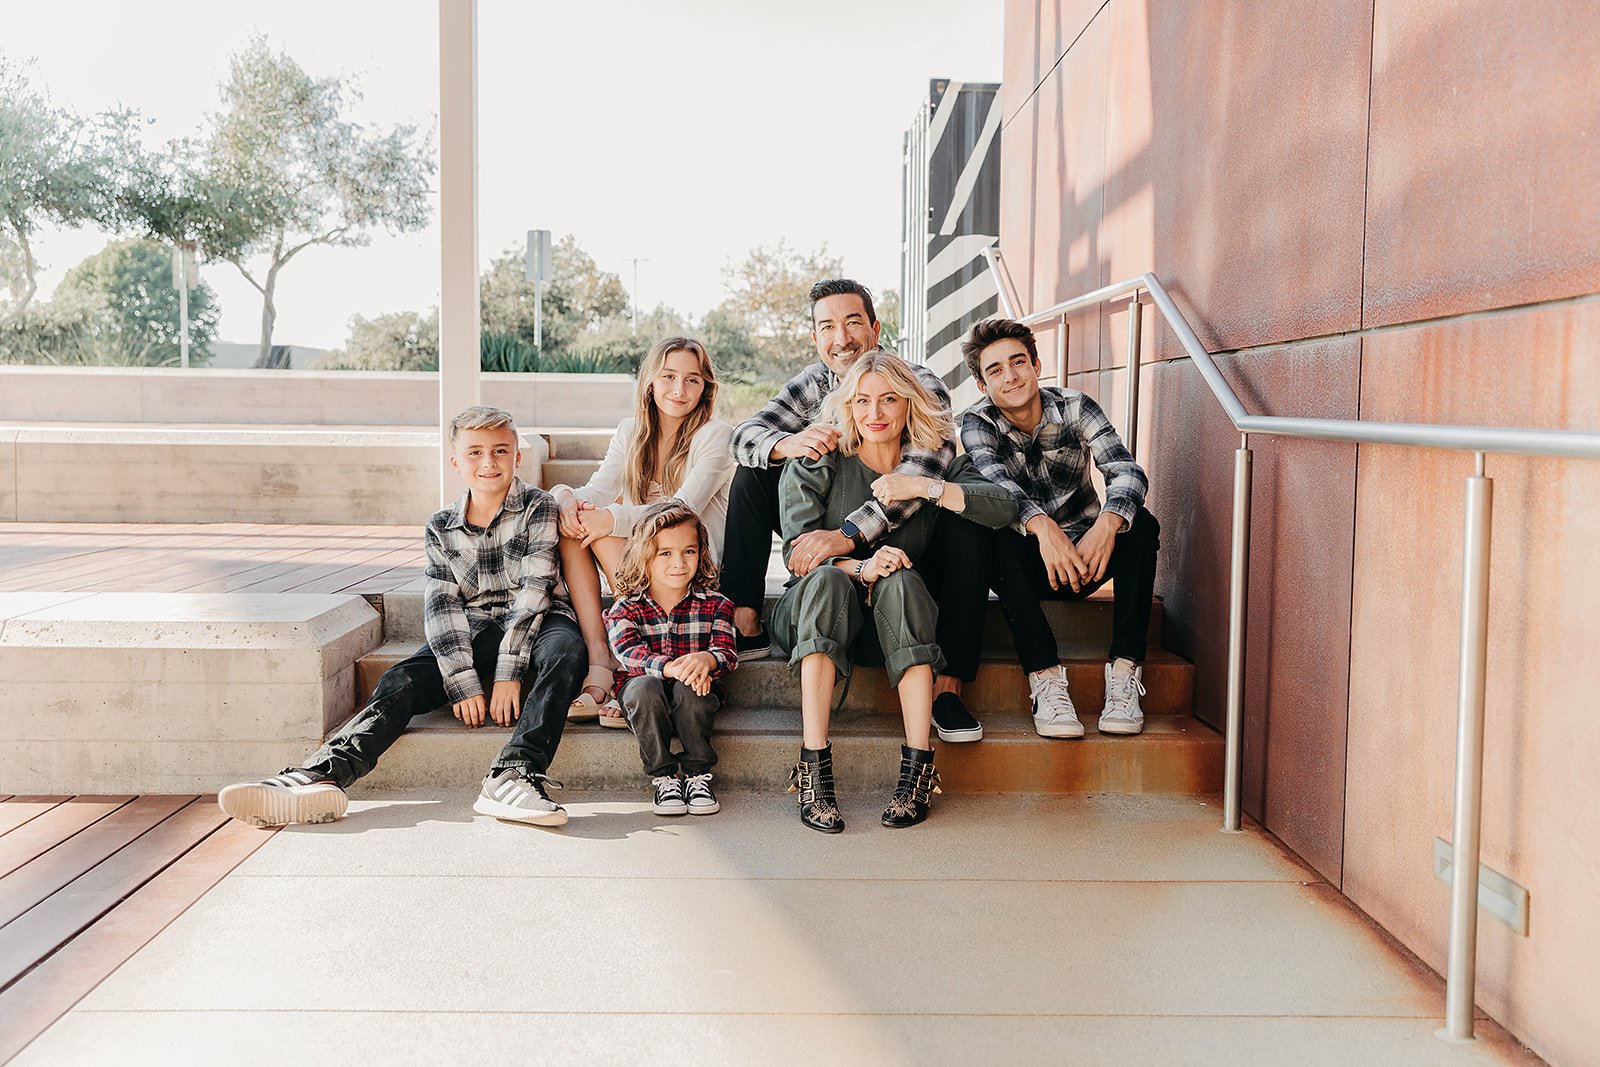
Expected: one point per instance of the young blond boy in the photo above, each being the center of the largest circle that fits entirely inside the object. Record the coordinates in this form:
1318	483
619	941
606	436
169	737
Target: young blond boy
501	644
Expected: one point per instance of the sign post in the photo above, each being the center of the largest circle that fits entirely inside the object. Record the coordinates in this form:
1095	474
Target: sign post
538	273
184	278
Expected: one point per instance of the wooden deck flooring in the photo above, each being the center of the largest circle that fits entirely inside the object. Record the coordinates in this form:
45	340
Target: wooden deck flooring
86	881
208	558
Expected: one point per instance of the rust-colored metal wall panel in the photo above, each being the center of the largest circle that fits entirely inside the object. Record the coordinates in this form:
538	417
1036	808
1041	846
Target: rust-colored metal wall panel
1542	742
1235	164
1301	537
1485	156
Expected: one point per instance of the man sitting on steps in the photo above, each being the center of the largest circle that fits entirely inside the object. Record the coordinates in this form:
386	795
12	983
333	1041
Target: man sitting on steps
844	327
1038	442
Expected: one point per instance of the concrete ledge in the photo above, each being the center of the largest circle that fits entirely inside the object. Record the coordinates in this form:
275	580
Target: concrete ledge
326	398
164	692
235	475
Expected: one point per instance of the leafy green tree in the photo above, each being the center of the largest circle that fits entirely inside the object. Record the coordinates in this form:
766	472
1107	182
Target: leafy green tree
732	347
887	305
399	340
768	291
130	281
579	299
302	172
55	168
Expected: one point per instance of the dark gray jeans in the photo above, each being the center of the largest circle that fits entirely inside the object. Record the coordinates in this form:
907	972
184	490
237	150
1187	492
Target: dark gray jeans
659	709
415	687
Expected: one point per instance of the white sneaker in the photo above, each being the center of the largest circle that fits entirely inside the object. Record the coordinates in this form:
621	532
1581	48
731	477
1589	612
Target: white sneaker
1124	686
1053	713
295	796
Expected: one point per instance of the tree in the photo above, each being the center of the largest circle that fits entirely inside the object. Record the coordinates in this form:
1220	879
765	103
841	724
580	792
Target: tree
887	305
130	281
769	291
55	168
301	173
399	340
579	298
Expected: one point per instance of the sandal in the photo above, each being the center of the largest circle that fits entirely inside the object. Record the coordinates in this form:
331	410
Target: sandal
611	715
584	706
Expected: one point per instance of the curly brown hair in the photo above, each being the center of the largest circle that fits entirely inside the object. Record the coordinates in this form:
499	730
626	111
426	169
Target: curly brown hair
633	569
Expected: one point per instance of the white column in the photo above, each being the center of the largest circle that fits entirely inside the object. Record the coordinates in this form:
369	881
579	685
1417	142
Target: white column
458	222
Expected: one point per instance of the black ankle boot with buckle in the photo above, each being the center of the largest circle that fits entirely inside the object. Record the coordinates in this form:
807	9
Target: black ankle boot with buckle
919	780
812	778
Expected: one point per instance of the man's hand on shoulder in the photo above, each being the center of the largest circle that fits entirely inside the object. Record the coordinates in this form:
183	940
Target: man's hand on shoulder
505	703
1063	564
471	710
813	441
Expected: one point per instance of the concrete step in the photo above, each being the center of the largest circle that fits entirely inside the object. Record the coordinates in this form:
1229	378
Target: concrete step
1000	688
576	443
555	472
1077	624
758	746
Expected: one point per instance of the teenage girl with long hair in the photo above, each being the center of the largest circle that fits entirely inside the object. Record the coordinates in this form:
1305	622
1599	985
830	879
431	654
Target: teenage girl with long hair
671	446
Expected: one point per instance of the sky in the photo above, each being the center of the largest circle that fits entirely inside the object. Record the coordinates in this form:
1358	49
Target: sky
682	133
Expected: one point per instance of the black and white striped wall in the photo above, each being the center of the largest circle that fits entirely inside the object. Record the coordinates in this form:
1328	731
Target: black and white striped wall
951	192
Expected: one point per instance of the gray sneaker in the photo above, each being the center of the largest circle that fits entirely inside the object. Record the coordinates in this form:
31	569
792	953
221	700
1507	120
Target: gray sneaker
295	796
514	795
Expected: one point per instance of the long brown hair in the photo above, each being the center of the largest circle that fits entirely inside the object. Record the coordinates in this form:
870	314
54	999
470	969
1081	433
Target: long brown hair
633	569
647	421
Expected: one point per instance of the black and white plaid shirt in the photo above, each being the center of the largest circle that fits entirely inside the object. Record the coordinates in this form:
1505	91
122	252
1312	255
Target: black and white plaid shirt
797	405
1048	470
506	574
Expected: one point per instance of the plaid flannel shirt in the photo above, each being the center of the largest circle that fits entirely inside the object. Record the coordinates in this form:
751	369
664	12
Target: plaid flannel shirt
506	573
646	639
797	406
1048	470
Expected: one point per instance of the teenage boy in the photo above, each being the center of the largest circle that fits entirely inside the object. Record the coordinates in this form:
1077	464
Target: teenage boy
1038	442
493	620
844	327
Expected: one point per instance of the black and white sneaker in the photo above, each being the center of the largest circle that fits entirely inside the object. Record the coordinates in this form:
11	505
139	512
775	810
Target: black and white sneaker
516	796
757	647
702	799
953	721
294	796
667	795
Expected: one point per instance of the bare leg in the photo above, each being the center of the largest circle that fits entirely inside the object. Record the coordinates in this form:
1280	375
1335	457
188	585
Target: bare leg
607	552
916	705
946	684
816	700
583	584
747	621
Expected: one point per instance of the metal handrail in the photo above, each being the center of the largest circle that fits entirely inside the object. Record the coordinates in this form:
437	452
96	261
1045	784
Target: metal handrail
1568	444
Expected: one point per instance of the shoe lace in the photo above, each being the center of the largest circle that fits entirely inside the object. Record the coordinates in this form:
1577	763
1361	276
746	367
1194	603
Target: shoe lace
667	783
539	781
699	785
1051	692
1120	690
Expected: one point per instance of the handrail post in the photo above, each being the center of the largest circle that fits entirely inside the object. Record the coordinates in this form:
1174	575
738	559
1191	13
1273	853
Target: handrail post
1130	433
1461	973
1238	599
1061	352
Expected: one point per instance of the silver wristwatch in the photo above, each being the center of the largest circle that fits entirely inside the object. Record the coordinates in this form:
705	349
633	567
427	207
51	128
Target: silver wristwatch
935	489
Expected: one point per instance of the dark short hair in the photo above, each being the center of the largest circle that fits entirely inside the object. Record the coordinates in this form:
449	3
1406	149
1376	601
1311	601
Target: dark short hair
842	287
987	333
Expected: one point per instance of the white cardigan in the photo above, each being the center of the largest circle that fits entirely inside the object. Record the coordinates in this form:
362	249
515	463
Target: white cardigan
706	477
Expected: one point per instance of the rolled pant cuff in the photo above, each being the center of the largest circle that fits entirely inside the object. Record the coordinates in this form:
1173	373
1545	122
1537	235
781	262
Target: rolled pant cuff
832	649
904	659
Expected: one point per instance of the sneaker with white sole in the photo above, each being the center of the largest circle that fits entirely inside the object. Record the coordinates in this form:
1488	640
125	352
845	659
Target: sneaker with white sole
516	796
667	795
953	721
702	798
295	796
1124	686
1053	713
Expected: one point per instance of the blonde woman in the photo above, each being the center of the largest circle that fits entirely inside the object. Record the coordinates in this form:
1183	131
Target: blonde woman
873	605
671	446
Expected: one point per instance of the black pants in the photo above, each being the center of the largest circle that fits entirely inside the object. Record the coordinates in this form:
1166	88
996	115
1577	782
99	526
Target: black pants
415	687
1020	582
660	709
747	542
955	567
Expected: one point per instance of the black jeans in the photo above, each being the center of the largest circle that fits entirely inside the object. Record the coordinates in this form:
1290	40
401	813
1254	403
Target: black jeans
415	687
747	543
1020	582
956	568
659	709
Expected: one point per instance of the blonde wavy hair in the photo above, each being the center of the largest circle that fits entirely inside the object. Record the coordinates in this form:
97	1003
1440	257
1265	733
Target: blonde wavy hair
642	449
633	569
928	425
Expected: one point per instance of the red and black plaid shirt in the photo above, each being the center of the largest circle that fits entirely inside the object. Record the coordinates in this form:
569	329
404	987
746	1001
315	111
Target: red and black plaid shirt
646	638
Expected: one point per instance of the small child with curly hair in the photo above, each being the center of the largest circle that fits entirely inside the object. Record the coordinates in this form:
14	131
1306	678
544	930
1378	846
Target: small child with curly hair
674	637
